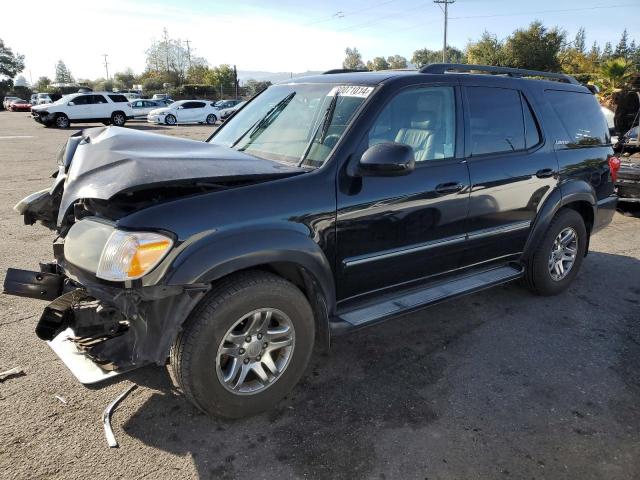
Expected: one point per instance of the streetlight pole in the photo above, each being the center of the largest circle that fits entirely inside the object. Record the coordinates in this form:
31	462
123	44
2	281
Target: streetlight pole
446	20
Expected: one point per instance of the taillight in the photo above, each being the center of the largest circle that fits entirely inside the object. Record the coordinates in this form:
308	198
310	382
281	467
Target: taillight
614	166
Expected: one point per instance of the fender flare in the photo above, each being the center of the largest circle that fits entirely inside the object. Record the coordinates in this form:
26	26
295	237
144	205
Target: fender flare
219	254
566	193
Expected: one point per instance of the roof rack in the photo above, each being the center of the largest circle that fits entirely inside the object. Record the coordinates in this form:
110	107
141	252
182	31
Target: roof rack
512	72
342	70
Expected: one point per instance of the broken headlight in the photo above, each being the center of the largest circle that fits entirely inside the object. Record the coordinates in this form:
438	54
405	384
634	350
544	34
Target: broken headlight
131	255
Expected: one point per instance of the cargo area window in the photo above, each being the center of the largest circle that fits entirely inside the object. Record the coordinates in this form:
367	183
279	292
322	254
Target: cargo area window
581	117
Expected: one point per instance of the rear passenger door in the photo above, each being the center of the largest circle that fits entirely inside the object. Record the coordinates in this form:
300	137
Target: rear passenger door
100	108
395	230
512	171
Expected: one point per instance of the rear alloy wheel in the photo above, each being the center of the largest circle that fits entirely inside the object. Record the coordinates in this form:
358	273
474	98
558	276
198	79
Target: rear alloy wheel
170	120
557	259
245	345
118	119
62	121
211	119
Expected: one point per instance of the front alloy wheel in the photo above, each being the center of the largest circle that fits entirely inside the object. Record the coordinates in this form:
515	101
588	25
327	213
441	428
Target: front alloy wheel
62	121
118	119
255	351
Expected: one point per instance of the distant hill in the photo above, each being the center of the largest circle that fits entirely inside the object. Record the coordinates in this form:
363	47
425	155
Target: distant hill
273	77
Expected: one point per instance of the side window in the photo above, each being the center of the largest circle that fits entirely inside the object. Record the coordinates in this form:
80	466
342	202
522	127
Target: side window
423	118
98	99
197	104
581	117
118	98
531	130
82	100
496	122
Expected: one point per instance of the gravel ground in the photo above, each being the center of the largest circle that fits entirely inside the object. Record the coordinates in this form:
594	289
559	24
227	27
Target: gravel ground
500	384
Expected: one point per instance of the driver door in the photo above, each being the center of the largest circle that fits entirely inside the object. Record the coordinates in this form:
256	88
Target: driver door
402	229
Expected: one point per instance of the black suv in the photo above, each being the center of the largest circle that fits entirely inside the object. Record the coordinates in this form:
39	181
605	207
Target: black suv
324	205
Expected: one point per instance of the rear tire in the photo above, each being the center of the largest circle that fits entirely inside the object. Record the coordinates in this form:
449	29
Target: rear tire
62	121
118	119
211	119
264	323
545	272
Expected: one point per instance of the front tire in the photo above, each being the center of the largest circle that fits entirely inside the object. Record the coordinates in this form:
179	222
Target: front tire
245	346
557	259
62	121
170	120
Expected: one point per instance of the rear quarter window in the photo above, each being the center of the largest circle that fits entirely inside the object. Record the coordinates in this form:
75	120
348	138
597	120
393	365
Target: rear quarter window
581	116
118	98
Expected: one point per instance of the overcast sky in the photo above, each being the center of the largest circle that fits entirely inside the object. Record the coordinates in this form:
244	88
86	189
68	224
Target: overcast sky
282	35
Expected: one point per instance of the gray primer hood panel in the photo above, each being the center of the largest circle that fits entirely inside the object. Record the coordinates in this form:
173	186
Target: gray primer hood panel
112	159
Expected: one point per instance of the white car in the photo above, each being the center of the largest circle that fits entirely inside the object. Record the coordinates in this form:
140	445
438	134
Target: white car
227	112
143	106
185	111
106	107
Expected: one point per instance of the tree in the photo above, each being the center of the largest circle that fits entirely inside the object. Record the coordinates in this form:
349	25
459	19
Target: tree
222	77
377	63
397	61
579	43
622	49
535	48
171	58
42	84
486	51
353	59
607	52
124	80
10	65
594	53
63	74
20	81
425	56
197	74
255	86
615	71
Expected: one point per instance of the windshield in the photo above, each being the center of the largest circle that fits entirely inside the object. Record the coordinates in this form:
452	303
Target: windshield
175	105
285	122
65	99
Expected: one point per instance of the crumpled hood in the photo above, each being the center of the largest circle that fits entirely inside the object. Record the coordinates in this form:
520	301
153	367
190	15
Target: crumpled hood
109	160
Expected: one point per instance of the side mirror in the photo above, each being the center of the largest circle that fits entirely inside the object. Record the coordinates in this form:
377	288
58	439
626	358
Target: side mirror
387	160
71	104
180	107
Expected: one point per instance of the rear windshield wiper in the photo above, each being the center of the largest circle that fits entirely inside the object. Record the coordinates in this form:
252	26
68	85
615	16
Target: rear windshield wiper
265	121
325	124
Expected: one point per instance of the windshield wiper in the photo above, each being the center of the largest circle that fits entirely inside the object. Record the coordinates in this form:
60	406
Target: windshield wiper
265	121
325	124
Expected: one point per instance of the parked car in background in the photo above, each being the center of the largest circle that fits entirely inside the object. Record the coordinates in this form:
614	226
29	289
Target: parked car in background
628	180
609	116
224	104
327	204
142	107
44	98
185	111
628	142
106	107
227	112
161	96
34	99
6	101
19	106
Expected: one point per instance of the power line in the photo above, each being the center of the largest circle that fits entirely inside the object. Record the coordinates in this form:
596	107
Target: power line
342	14
446	20
547	11
380	19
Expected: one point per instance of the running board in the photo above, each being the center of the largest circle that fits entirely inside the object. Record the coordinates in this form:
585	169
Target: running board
416	299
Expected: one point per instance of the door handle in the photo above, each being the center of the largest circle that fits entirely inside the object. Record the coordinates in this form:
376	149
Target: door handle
449	187
545	173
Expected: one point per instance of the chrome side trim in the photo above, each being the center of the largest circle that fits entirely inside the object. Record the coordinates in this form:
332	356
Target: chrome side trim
360	259
489	232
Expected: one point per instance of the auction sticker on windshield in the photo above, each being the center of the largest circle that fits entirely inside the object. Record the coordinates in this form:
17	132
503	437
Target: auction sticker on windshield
351	91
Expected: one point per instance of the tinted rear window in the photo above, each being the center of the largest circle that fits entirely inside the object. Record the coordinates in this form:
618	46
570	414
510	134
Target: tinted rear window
118	98
496	120
581	117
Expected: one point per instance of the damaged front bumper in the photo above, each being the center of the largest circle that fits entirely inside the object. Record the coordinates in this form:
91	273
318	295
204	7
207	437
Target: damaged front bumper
99	330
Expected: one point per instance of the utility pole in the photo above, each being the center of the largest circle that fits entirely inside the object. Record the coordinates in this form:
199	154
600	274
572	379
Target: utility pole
106	64
235	80
188	53
446	19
